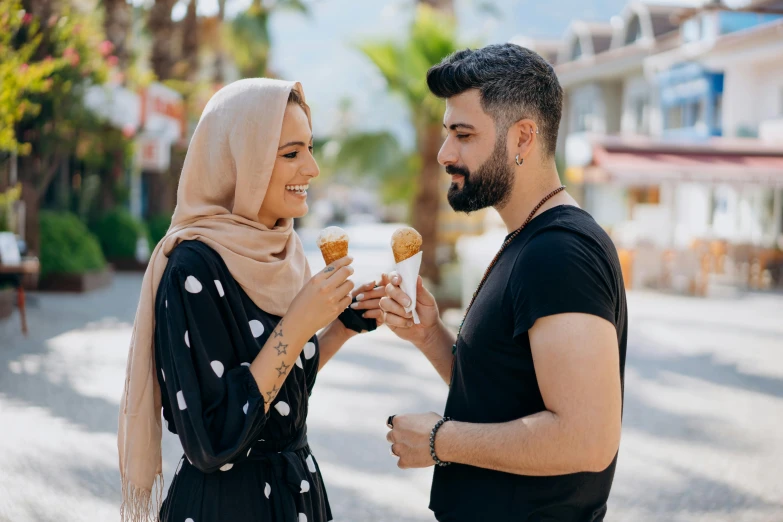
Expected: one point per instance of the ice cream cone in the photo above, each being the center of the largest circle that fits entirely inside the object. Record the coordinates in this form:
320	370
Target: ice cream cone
333	242
405	243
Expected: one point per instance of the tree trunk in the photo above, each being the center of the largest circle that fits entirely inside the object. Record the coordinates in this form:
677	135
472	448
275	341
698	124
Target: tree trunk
427	203
219	73
446	6
161	26
117	22
40	8
32	203
190	42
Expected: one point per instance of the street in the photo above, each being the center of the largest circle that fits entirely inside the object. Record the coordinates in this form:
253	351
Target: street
701	436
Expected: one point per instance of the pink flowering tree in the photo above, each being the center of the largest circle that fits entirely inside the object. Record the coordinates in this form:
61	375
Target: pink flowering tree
63	53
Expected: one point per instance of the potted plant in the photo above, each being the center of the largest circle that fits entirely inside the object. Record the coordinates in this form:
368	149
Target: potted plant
71	257
123	240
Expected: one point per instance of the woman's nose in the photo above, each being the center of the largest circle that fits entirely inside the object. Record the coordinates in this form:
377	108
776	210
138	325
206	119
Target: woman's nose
311	169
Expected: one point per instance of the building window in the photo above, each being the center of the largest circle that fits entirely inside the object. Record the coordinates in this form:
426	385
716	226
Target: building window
731	22
717	111
674	117
634	32
691	30
584	117
695	113
639	107
576	53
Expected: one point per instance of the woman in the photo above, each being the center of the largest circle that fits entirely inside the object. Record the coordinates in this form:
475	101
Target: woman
229	313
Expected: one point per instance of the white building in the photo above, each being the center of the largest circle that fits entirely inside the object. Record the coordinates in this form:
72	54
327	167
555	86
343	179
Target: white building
601	69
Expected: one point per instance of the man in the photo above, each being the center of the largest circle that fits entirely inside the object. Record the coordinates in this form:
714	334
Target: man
536	375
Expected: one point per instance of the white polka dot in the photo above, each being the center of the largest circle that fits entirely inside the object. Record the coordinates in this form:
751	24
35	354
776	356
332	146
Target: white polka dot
181	401
299	362
248	451
193	285
245	407
305	487
163	374
219	286
283	408
309	350
218	368
187	339
267	490
257	328
226	467
246	364
188	520
167	303
310	463
302	517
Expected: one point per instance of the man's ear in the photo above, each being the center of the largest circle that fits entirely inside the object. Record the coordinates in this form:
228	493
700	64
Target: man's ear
525	133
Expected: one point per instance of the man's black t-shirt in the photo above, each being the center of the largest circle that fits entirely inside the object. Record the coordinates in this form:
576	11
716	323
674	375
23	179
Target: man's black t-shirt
562	262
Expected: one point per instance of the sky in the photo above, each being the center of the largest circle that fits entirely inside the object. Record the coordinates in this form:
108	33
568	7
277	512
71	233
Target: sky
319	50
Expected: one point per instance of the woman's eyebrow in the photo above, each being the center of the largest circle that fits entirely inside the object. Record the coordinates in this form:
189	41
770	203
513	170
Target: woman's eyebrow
292	143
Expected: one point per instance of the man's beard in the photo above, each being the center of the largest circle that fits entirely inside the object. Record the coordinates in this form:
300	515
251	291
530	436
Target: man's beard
489	186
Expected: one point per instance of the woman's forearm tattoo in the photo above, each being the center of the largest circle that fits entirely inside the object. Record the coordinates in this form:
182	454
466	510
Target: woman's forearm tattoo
282	370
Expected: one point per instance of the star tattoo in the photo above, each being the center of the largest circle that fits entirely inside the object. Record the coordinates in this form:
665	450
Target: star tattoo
282	370
271	394
279	330
281	348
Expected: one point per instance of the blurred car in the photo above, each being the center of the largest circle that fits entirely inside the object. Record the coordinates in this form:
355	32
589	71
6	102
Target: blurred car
370	246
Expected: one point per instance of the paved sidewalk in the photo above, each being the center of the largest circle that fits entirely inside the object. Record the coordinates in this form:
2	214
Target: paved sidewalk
701	441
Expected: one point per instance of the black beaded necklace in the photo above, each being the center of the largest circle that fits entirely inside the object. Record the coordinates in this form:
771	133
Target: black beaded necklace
507	242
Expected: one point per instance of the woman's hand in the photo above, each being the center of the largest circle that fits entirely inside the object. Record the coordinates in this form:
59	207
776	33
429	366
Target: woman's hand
368	297
324	297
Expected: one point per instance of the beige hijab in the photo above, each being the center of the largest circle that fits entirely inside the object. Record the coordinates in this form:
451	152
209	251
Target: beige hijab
224	180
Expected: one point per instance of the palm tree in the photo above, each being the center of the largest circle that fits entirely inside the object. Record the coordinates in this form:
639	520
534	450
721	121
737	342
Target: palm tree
219	75
161	26
404	67
116	24
248	38
444	6
190	43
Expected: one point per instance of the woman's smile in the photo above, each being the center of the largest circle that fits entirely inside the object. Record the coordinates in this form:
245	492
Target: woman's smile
297	191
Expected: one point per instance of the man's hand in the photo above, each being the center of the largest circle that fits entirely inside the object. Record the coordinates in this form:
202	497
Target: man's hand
410	439
401	322
368	297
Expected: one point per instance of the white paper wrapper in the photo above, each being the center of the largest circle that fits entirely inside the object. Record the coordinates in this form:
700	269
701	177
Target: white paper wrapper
409	272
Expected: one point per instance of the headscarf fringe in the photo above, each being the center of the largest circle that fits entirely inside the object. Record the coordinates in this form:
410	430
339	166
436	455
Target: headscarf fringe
138	504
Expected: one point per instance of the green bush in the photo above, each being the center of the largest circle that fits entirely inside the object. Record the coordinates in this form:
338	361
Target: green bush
157	226
118	233
67	246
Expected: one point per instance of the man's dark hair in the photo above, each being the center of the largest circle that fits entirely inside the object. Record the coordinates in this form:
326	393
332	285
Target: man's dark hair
514	82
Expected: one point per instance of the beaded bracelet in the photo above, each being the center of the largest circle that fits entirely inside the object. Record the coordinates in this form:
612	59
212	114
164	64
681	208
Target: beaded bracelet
432	441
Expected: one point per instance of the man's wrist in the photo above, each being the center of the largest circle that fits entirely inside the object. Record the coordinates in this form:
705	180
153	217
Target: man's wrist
435	339
446	441
339	332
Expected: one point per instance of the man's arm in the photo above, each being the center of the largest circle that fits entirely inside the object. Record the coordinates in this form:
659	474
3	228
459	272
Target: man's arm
431	337
437	349
577	365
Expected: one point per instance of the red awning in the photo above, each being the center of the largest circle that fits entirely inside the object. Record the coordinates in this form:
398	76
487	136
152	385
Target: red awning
646	167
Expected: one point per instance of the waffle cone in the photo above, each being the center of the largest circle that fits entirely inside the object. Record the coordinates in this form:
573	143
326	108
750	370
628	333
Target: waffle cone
334	250
406	243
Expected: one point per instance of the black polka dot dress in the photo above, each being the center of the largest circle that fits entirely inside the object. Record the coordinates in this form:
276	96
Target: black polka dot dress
240	464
